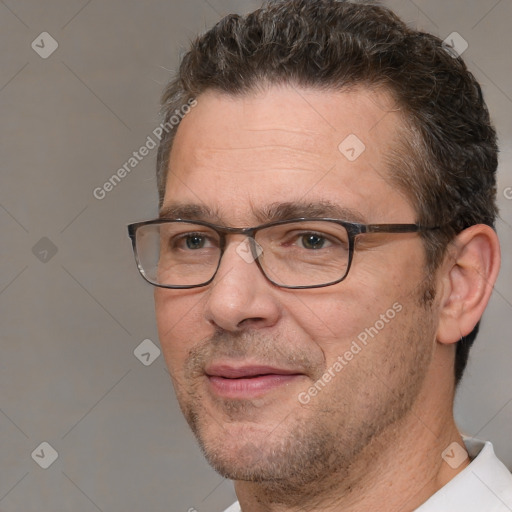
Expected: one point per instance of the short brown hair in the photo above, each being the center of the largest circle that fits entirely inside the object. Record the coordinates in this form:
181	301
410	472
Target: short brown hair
446	160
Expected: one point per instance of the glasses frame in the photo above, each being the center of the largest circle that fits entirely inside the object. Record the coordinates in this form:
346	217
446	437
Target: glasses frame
354	229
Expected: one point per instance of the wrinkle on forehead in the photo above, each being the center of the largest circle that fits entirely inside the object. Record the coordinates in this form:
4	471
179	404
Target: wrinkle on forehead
243	153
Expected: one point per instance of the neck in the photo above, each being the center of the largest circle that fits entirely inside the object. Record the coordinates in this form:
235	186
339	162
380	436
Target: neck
398	470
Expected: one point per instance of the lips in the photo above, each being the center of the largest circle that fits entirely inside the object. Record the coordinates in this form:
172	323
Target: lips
233	372
244	382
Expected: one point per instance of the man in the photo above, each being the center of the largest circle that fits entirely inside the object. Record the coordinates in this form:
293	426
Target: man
324	253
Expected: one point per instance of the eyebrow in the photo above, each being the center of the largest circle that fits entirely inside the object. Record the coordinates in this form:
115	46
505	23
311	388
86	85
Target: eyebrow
270	213
189	212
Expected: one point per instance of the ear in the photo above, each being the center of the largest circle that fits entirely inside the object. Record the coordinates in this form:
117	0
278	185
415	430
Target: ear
468	274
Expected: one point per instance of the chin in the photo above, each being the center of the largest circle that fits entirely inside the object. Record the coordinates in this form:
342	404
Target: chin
242	450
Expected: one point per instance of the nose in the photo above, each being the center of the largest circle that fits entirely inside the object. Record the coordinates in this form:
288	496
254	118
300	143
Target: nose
240	296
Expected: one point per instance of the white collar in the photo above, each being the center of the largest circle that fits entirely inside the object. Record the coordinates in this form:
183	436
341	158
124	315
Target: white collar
484	485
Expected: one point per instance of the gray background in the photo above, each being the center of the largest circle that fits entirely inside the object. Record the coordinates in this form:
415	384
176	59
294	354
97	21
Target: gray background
71	319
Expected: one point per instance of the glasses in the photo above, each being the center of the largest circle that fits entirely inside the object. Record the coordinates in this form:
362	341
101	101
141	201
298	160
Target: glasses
296	253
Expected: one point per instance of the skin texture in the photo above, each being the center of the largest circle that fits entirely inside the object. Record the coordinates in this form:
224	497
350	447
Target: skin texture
373	435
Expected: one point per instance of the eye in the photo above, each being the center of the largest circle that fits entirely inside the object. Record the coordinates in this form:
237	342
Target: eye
191	242
195	241
312	241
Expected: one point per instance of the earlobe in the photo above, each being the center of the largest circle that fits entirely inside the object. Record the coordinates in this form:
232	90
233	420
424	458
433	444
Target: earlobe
469	272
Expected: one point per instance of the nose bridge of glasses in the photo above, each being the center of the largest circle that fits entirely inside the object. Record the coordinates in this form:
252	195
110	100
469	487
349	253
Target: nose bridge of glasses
230	236
242	242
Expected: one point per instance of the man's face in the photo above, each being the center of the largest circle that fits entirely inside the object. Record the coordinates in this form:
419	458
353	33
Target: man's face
243	353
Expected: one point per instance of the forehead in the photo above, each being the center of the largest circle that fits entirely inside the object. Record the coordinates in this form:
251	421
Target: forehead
239	154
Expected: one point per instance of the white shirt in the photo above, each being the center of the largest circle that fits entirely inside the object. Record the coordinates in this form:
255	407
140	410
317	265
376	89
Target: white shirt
483	486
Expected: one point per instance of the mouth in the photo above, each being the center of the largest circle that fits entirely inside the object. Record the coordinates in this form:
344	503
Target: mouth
245	382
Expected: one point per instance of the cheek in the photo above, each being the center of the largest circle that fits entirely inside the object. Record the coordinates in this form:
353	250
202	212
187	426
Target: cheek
337	312
353	310
178	320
